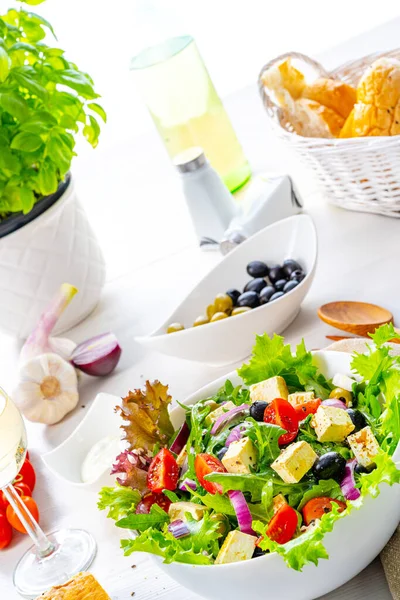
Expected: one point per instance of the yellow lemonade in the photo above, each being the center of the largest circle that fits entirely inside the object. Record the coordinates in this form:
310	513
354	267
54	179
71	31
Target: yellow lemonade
186	108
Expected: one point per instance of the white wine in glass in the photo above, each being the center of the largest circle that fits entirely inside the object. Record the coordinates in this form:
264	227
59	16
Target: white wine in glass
54	558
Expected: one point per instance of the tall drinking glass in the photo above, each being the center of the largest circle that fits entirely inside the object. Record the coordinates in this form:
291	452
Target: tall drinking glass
54	558
186	109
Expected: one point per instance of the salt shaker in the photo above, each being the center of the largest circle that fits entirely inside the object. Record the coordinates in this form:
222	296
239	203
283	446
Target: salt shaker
209	201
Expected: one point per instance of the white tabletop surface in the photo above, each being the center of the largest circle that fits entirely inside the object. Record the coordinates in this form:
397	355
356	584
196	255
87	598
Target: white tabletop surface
150	268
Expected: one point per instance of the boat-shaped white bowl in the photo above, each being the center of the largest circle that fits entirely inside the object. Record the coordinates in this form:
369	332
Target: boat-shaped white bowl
355	541
66	460
230	340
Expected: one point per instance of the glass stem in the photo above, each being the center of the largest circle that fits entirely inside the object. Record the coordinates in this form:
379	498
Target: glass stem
43	546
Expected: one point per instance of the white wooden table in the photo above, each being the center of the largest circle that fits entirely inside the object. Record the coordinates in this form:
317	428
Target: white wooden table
153	261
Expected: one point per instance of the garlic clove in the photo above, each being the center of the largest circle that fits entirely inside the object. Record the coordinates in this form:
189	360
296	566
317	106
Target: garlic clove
47	389
61	346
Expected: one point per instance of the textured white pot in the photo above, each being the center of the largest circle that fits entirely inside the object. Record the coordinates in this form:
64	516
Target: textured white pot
58	246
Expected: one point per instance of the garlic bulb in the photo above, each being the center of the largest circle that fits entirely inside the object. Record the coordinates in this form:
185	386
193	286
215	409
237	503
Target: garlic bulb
47	390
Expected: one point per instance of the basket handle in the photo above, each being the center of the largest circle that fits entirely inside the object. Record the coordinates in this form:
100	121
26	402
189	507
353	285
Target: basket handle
270	106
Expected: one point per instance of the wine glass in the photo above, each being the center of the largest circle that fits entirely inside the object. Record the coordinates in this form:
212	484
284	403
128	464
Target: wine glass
55	557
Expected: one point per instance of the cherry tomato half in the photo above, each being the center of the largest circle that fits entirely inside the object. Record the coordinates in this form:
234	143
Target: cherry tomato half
307	408
5	532
317	507
281	412
205	464
148	500
14	520
163	472
21	488
283	525
28	475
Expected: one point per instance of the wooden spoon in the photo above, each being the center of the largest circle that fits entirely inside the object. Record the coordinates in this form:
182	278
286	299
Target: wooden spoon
359	318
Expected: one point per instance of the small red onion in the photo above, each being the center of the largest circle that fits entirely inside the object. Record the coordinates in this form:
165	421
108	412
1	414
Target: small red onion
97	356
335	402
242	511
187	483
179	529
235	434
227	417
181	439
348	483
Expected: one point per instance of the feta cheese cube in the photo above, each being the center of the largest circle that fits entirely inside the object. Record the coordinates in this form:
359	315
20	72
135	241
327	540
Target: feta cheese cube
278	502
218	412
237	546
332	424
364	445
241	455
269	389
177	510
294	462
300	397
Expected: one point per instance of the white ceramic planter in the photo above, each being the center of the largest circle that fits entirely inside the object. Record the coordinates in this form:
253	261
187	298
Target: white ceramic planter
56	247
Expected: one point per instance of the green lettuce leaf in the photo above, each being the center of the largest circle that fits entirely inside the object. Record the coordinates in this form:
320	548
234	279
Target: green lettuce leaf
140	522
325	487
265	438
228	393
305	548
386	472
251	483
384	334
197	548
119	500
272	357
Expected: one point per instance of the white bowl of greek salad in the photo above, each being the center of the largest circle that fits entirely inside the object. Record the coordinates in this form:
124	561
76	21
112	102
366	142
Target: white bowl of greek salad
277	481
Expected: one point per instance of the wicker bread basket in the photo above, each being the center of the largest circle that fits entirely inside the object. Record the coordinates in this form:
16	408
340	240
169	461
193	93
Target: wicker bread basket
355	173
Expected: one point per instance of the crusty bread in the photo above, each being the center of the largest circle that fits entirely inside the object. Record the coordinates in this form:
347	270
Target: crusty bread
334	94
81	587
377	111
315	110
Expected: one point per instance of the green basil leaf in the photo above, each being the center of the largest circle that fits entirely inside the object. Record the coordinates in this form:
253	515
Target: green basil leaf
27	142
47	178
99	110
15	105
23	46
25	77
27	199
4	64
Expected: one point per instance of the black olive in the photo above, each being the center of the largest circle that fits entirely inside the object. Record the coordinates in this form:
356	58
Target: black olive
290	265
330	466
221	453
280	284
276	296
233	295
258	552
250	299
290	285
276	273
297	275
255	285
361	469
257	268
359	421
266	293
257	410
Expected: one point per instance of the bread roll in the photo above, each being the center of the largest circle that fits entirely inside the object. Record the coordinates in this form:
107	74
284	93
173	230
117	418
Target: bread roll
81	587
334	94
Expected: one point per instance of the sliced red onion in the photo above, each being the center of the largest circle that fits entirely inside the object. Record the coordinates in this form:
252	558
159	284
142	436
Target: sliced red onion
187	483
97	356
348	483
242	511
235	434
181	439
179	529
335	402
228	417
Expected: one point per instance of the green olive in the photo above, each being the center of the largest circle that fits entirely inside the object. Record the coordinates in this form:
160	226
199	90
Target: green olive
211	310
223	302
240	310
201	320
218	317
343	395
175	327
223	523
